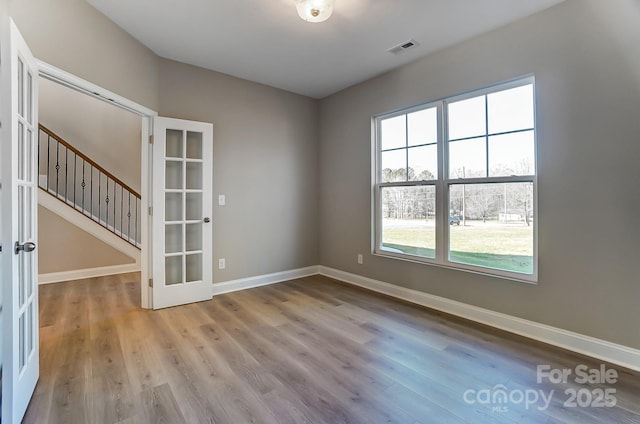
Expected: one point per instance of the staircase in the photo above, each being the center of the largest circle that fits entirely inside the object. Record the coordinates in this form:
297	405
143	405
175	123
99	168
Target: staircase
74	179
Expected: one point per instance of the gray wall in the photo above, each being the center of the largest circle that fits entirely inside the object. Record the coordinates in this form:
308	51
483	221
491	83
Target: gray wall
264	161
265	140
65	247
75	37
586	58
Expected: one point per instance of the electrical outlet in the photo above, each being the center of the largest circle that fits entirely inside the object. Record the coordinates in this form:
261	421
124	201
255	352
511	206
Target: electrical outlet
222	200
221	263
360	259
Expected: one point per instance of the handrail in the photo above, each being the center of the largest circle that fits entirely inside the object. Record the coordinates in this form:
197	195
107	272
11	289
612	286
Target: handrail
80	183
87	159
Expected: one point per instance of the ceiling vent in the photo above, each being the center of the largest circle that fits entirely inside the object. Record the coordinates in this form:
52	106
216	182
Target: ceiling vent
402	47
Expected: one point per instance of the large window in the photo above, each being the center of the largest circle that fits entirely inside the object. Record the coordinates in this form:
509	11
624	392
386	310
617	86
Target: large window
455	182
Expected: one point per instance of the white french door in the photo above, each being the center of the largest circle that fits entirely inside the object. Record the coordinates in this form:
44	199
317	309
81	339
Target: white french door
18	223
181	214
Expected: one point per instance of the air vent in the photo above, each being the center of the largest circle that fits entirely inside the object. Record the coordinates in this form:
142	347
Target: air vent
402	47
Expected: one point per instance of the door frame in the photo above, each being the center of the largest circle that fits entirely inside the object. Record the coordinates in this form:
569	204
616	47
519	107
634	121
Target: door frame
147	115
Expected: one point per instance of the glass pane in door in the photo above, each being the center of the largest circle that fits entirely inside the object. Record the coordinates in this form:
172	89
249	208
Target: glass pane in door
194	267
194	175
194	207
173	207
173	175
194	145
173	270
173	238
193	237
21	350
174	144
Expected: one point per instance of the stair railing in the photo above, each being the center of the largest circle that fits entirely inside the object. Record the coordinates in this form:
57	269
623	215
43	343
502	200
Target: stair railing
75	179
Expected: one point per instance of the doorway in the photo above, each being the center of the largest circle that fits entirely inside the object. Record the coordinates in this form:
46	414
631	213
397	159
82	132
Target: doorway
89	152
65	81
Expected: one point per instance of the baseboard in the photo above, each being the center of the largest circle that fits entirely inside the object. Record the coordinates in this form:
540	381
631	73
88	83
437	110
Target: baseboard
586	345
79	274
263	280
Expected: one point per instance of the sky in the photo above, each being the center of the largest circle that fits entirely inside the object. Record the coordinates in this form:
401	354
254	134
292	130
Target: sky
475	126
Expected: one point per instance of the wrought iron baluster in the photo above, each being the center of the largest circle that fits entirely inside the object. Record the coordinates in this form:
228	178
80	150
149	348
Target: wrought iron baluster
107	202
121	208
91	192
48	160
115	200
57	169
99	195
129	219
83	185
136	226
75	167
66	173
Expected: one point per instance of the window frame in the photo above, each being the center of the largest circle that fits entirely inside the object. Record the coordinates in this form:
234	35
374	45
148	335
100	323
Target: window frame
443	183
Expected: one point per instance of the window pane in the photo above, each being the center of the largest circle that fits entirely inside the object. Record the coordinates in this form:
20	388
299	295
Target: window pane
511	110
408	220
511	154
468	158
467	118
394	166
497	229
393	132
423	163
423	127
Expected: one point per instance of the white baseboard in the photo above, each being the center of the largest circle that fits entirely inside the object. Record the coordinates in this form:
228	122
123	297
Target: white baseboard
263	280
79	274
590	346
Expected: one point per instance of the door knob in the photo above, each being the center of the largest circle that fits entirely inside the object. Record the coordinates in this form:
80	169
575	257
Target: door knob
26	247
206	220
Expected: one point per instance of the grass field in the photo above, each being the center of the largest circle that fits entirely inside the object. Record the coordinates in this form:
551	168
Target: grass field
491	244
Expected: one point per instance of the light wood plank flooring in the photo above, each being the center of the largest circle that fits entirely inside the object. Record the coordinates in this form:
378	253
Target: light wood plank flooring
311	350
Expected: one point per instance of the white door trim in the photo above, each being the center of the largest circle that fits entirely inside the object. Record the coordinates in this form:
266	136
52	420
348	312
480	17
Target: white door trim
55	74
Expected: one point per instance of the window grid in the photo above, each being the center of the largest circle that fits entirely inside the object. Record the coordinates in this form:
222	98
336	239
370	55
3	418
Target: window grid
444	181
407	148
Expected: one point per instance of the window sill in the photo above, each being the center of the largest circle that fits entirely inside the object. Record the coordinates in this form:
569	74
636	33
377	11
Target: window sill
486	272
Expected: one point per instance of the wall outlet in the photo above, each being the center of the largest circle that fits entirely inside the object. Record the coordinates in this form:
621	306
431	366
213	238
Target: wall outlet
360	259
222	200
221	263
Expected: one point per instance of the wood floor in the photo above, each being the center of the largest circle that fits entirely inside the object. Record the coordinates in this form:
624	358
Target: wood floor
306	351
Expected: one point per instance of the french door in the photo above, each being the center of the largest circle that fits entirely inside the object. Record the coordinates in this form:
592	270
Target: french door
18	223
181	213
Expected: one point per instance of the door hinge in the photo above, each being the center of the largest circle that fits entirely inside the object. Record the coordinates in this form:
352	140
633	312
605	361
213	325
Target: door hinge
150	210
151	139
150	282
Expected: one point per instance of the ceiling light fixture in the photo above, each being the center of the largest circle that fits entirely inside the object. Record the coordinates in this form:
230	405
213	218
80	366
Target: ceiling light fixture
315	10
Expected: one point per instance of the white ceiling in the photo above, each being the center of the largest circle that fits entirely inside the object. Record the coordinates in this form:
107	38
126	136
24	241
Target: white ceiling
265	41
